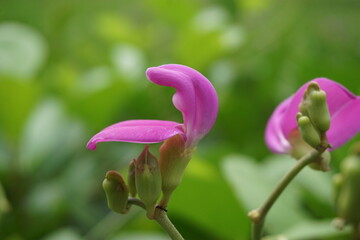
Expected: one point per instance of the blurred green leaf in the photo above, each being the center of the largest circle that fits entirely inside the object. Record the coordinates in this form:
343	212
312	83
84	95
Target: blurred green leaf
129	62
113	222
314	187
252	186
22	50
142	236
311	230
17	100
47	130
63	234
4	203
204	200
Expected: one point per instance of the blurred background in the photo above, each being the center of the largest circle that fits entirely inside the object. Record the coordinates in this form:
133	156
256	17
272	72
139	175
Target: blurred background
70	68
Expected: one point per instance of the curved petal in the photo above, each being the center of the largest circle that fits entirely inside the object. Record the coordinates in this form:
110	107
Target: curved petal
337	97
195	97
274	137
345	124
137	131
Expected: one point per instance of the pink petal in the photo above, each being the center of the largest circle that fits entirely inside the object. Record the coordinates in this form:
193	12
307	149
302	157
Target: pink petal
274	137
337	97
345	124
137	131
195	97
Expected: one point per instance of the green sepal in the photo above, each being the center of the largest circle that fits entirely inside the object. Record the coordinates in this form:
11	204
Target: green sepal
148	180
174	157
131	179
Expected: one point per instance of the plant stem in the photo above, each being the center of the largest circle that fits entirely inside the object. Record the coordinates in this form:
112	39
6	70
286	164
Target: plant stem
162	218
258	215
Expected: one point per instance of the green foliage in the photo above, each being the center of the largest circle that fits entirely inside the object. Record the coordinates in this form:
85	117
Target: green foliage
70	68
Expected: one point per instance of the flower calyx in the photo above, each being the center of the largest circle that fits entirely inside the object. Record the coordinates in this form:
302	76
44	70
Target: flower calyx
148	180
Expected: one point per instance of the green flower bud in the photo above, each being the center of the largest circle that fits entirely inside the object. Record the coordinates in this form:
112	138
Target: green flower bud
348	196
307	130
174	158
319	111
116	191
131	179
148	180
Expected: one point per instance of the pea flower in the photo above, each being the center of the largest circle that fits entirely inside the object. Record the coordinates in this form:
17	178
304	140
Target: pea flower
195	97
344	108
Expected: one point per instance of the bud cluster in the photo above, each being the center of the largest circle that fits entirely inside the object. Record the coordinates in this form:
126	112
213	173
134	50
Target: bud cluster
144	179
148	177
314	117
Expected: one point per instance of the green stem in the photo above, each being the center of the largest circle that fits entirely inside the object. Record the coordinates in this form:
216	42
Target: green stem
258	216
162	218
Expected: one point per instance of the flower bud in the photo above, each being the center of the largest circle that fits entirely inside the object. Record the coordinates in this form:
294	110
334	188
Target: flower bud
131	179
174	157
318	110
148	180
116	191
307	130
348	195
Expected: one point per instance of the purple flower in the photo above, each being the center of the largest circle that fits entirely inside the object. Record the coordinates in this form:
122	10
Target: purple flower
195	97
344	108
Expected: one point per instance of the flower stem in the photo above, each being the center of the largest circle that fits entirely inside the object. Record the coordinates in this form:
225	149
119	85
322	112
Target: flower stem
258	215
161	217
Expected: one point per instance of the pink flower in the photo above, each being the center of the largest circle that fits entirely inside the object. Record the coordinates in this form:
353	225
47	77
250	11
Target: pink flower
195	97
344	108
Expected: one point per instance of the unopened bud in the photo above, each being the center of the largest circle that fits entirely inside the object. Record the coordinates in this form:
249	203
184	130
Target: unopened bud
348	200
131	179
174	157
148	180
318	110
307	130
116	191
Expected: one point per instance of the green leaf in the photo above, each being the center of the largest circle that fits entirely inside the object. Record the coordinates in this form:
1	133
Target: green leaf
252	185
142	236
4	203
22	50
203	202
47	130
315	187
63	234
16	102
311	230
